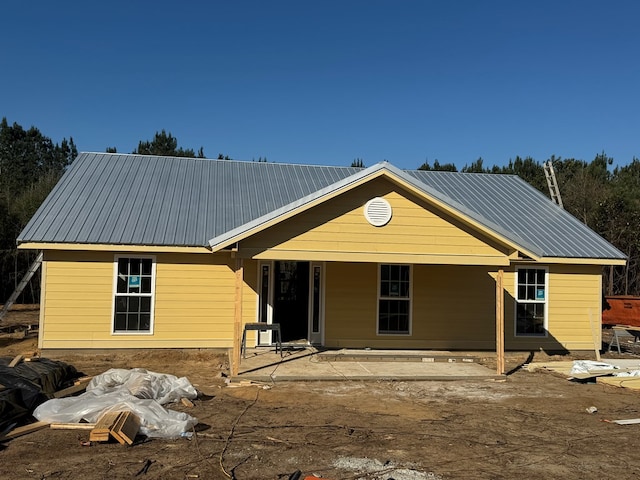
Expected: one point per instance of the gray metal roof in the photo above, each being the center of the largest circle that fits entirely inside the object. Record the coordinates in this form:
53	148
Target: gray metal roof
168	201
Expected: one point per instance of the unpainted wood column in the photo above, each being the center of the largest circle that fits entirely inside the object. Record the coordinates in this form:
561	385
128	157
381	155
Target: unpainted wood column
500	322
237	318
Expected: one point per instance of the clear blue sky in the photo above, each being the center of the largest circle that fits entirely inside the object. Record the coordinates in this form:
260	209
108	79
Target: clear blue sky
324	82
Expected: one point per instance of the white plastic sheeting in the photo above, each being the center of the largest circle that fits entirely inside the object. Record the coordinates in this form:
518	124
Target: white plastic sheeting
138	390
590	367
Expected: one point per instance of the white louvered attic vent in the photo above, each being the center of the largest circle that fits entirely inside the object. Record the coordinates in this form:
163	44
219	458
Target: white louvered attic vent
377	211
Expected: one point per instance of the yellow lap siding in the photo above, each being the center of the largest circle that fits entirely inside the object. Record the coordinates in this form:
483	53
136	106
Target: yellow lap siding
194	301
573	312
350	304
452	307
339	226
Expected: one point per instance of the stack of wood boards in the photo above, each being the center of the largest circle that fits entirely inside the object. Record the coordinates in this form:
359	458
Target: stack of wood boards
123	426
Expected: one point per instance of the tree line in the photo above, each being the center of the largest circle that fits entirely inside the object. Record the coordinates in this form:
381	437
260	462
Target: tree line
605	198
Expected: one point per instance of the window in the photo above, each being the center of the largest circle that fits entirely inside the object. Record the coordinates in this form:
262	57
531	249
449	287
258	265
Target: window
531	302
394	300
265	277
134	285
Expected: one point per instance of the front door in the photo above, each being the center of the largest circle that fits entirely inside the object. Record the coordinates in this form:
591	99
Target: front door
291	294
291	300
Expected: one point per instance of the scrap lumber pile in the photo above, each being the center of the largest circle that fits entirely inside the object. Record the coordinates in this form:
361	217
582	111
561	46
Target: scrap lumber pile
122	426
615	372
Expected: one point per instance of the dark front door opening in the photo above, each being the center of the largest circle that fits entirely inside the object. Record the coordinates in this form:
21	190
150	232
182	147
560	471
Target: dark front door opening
291	300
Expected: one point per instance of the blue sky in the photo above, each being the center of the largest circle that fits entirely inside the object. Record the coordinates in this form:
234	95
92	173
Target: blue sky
325	82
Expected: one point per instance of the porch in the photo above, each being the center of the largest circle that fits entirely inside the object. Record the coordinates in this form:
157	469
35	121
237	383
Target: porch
310	363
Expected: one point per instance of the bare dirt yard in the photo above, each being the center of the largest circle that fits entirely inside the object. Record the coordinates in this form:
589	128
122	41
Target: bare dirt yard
531	426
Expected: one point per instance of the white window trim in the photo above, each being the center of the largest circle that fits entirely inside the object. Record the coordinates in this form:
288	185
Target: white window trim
115	293
546	302
410	300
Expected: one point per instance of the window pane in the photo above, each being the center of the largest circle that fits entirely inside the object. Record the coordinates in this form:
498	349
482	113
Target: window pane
145	322
315	312
393	316
395	273
540	277
404	273
531	276
404	289
123	265
145	304
121	321
146	266
134	304
134	266
121	304
121	284
146	284
132	321
384	289
264	293
530	319
531	292
384	272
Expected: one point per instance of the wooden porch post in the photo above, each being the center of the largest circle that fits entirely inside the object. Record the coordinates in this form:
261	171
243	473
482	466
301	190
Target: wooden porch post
237	319
500	322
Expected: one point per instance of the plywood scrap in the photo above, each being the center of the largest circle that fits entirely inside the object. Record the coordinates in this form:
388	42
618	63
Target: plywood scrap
102	431
624	382
629	421
245	383
18	432
122	426
126	428
72	426
16	360
78	386
562	367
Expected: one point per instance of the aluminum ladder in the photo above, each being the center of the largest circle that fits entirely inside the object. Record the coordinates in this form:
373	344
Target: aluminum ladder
23	283
554	191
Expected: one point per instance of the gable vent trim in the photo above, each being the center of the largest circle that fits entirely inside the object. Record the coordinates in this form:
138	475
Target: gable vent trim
378	212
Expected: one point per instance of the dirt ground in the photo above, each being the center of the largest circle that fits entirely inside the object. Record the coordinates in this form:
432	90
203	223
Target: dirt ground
531	426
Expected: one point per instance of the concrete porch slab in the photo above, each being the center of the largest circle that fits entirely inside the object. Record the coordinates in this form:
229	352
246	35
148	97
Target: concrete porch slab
305	364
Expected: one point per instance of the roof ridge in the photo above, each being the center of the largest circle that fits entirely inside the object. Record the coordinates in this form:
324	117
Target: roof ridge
229	160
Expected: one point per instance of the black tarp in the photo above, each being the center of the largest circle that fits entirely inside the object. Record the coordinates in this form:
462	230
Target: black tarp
29	384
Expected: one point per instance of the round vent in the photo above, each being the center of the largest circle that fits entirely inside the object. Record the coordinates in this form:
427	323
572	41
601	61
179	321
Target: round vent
377	211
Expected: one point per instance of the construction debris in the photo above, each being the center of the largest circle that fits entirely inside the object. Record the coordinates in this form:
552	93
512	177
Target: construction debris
630	421
27	384
122	426
16	360
119	390
632	383
18	432
78	386
72	426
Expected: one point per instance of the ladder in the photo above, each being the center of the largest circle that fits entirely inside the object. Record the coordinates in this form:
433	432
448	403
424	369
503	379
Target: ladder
23	283
554	192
